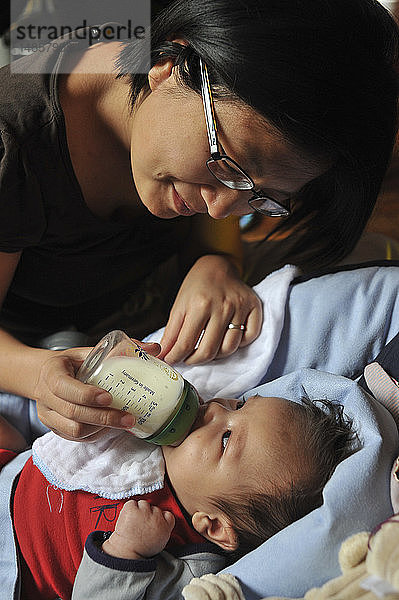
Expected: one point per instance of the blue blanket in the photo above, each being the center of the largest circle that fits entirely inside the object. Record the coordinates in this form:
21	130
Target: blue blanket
338	322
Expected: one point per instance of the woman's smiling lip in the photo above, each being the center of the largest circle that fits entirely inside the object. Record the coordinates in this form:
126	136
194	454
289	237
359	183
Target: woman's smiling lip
180	205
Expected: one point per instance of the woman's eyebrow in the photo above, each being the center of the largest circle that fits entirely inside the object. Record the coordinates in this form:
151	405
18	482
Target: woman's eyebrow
294	172
256	171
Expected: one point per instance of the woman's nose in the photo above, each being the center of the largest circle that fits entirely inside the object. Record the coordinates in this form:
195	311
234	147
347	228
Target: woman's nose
222	202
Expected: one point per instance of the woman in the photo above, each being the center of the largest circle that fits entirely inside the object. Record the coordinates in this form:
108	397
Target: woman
300	107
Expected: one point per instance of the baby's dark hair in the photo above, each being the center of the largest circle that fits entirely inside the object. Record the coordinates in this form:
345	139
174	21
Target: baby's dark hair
326	437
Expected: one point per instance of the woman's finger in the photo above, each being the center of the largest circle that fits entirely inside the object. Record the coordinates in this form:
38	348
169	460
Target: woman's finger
79	393
152	348
223	336
253	325
88	434
171	333
217	340
186	337
76	422
233	335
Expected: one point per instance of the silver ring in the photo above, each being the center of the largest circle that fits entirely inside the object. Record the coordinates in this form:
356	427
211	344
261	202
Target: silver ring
234	326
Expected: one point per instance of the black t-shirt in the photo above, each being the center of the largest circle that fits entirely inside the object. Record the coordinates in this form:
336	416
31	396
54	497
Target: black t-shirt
75	267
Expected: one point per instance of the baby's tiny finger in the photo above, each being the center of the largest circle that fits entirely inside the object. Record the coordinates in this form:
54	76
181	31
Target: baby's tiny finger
169	517
143	505
129	505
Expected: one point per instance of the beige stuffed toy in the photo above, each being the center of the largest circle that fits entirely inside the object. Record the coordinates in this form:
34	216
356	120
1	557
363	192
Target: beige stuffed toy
370	571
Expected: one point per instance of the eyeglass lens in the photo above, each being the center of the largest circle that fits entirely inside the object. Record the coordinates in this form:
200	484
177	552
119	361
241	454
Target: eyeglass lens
269	207
228	173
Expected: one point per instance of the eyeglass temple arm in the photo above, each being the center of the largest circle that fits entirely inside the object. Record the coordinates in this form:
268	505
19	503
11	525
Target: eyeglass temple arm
208	109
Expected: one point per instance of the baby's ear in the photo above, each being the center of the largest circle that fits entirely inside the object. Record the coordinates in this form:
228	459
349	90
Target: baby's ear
217	529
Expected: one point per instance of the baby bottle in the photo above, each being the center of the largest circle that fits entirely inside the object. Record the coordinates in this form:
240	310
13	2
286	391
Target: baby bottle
165	405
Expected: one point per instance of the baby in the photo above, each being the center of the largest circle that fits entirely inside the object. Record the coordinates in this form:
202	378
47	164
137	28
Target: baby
246	470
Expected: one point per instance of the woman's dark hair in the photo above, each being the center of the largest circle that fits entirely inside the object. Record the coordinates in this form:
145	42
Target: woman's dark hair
322	72
325	438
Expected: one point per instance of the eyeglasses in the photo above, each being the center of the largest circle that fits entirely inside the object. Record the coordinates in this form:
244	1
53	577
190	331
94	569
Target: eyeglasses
224	168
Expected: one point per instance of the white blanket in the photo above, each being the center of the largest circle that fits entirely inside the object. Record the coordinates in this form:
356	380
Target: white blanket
233	376
118	465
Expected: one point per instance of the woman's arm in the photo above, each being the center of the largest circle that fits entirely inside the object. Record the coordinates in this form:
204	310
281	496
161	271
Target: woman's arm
71	408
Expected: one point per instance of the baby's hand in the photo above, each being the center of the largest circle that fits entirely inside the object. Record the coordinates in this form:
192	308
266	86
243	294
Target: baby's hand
141	531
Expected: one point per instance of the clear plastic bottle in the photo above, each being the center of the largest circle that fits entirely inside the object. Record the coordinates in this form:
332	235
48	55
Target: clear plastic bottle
165	405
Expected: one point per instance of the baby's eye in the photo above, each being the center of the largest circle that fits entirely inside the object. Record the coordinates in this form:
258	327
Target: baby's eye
240	404
225	439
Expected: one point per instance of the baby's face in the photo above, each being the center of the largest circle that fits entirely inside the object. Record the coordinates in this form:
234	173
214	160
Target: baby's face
233	447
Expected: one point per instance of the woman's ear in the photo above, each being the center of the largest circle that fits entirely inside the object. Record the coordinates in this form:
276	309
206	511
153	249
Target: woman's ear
217	529
163	69
159	73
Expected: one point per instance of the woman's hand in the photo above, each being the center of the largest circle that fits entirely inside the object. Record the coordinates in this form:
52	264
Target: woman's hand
210	298
72	409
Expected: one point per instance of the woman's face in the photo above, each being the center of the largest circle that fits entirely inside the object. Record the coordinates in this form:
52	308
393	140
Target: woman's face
169	150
